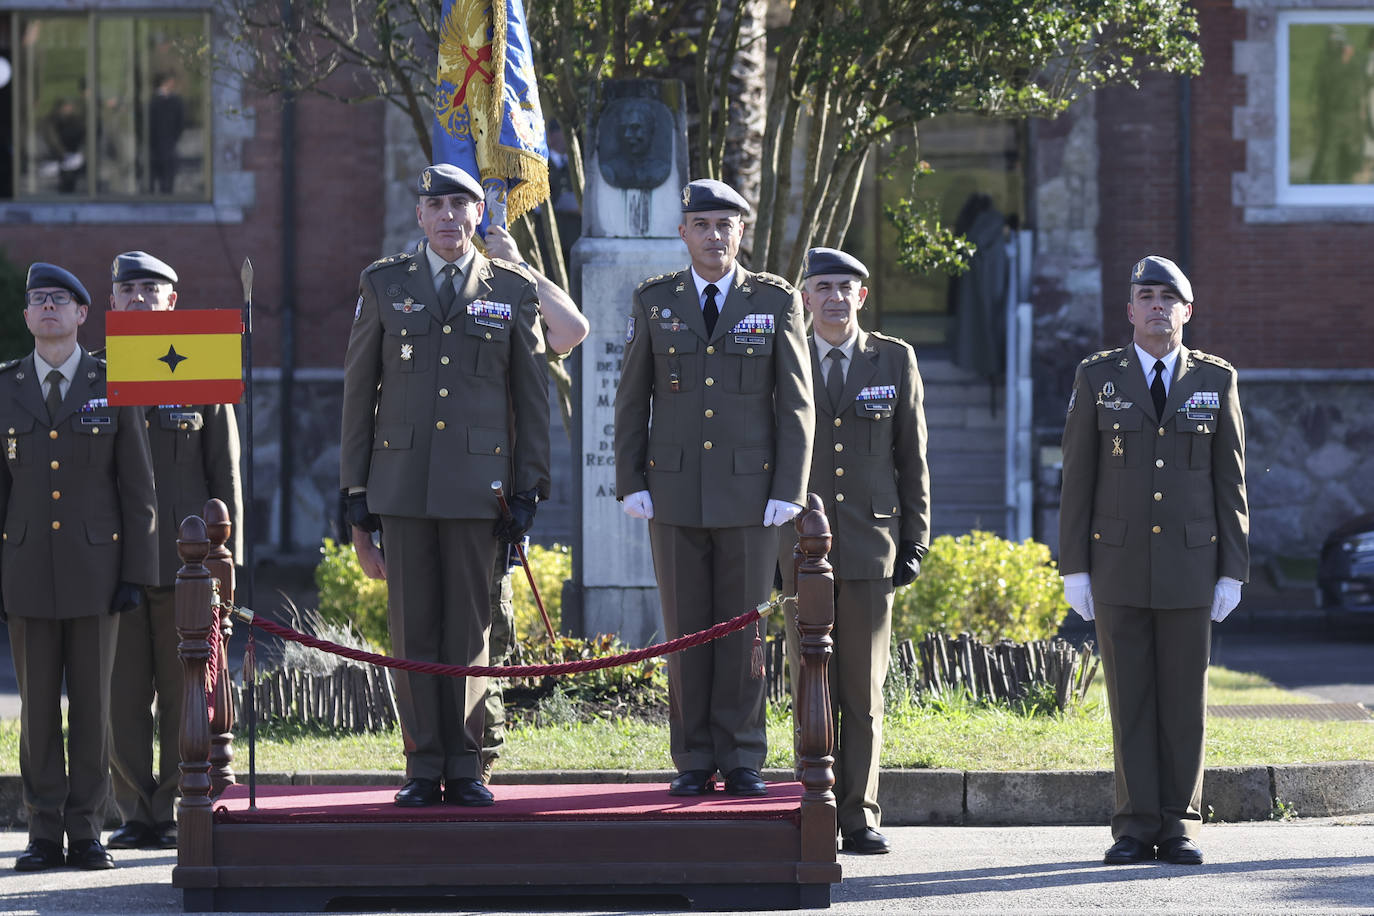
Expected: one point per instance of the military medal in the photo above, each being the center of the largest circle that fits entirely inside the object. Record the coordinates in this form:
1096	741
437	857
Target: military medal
1117	450
677	326
407	351
12	448
674	381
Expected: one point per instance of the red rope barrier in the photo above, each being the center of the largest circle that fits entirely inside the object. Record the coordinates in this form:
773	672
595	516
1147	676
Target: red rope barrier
589	664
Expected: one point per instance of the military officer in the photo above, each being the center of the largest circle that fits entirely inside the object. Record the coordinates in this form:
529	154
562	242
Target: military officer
869	466
444	392
195	451
1153	541
564	328
717	354
79	542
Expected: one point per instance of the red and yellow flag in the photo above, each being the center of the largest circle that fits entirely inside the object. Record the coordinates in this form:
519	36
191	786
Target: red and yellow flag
190	357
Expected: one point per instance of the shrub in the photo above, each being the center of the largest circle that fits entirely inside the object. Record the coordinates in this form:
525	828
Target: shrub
348	597
981	584
550	565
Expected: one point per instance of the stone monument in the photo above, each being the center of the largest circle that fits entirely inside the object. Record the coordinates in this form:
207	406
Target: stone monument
631	207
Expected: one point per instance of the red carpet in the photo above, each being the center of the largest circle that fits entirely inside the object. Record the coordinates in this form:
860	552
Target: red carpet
567	802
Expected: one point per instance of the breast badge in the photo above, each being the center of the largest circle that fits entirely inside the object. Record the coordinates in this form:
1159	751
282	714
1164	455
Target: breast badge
1109	399
407	351
1117	450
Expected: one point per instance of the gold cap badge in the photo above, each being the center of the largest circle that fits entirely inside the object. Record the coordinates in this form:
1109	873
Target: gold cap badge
425	179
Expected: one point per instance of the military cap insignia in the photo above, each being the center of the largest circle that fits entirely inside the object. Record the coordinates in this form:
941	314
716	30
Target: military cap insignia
1139	270
630	329
425	179
114	269
686	195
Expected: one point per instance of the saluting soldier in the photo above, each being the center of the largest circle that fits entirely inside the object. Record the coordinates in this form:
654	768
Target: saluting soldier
1153	544
195	450
79	542
444	392
869	467
717	354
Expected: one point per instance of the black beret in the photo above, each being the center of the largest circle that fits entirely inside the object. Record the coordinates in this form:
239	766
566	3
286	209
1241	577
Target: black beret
442	179
1154	269
710	194
139	265
833	261
42	274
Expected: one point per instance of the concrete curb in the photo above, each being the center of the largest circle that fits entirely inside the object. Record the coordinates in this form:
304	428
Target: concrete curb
974	798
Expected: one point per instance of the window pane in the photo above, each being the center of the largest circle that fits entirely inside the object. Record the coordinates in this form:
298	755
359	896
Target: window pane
1330	104
117	110
173	146
53	96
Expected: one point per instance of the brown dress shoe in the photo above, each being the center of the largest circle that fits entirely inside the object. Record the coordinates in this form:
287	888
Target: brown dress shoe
39	855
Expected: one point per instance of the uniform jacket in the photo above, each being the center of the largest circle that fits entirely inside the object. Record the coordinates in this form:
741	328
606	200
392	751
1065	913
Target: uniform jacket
869	464
436	407
195	457
76	496
732	415
1154	509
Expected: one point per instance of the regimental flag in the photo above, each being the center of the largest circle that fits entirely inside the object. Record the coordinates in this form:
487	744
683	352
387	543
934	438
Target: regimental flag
487	118
175	357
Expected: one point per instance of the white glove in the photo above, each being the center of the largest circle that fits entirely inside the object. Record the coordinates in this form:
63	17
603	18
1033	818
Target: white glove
779	512
639	505
1078	592
1225	598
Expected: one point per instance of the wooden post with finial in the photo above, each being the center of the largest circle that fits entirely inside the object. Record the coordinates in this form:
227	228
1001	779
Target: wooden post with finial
815	619
220	562
195	617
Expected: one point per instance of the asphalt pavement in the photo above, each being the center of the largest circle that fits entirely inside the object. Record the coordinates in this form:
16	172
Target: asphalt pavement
1306	866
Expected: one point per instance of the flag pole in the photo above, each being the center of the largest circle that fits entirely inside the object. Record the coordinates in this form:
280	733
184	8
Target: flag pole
246	276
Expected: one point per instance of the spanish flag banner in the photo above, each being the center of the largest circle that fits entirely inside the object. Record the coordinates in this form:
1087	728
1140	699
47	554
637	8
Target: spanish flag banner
190	357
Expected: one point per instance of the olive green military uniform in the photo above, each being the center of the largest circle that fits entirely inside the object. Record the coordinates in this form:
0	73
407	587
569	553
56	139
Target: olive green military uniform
502	642
428	402
195	451
869	467
79	516
1155	510
732	426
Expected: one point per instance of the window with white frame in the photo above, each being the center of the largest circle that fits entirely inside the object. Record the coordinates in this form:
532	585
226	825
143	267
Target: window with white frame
1324	126
104	105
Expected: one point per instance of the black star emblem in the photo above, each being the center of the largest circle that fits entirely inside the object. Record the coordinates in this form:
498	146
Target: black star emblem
171	359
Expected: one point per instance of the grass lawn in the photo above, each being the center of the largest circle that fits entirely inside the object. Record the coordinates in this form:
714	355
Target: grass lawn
956	734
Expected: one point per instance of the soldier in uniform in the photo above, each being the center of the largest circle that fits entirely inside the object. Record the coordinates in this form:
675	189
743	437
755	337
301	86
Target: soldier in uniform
79	542
718	354
869	466
195	451
1153	542
444	392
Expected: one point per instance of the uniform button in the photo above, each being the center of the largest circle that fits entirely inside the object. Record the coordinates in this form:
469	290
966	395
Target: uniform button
749	350
386	443
1199	427
403	332
1161	430
146	424
443	392
1156	529
710	350
710	381
839	472
672	350
55	465
706	445
837	421
1096	536
185	426
52	434
651	463
56	525
115	536
443	360
94	432
839	446
487	335
1159	462
439	425
496	451
710	413
1214	539
1116	426
767	466
448	329
1158	496
56	494
839	497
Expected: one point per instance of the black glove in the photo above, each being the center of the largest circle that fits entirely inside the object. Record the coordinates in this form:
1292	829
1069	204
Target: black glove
126	598
355	511
908	567
513	527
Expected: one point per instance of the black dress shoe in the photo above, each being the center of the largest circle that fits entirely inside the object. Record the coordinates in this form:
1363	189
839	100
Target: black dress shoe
165	835
419	793
746	782
468	792
89	854
39	855
867	841
132	835
1180	850
693	782
1128	850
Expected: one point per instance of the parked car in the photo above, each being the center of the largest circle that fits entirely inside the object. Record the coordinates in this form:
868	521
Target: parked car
1345	574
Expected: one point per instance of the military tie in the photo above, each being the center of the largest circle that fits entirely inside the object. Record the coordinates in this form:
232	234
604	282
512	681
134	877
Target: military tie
1157	389
54	394
710	312
447	293
834	379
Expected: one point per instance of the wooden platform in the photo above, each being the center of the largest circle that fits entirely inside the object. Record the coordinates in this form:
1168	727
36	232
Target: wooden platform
314	848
